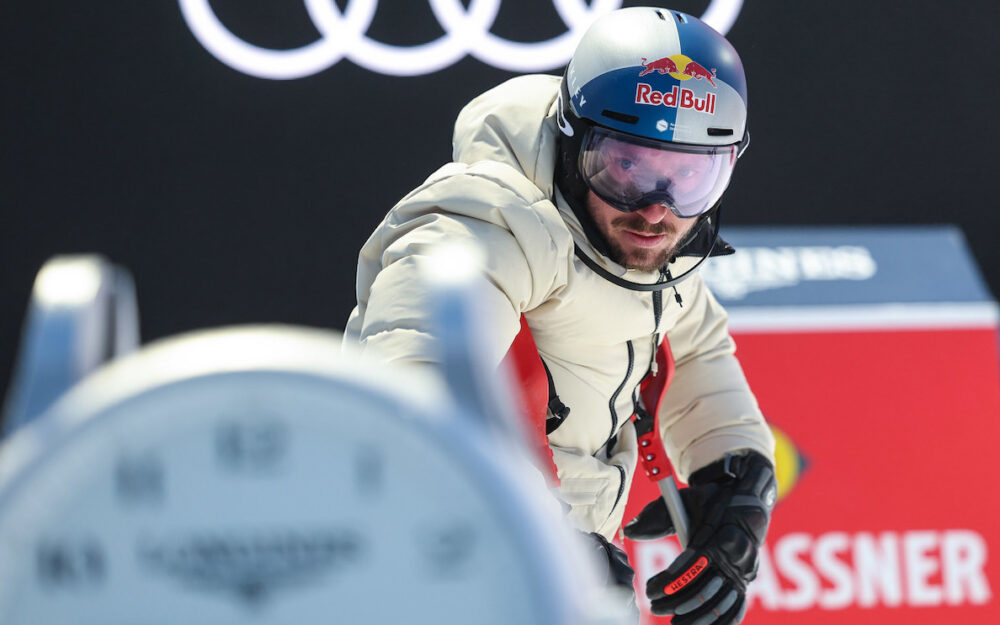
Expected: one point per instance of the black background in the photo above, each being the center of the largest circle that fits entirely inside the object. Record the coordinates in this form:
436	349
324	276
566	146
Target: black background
236	199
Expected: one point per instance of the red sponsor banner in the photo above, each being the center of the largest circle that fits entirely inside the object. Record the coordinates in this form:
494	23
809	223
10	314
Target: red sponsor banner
888	510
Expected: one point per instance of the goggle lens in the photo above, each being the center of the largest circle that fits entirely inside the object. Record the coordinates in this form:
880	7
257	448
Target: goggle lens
631	173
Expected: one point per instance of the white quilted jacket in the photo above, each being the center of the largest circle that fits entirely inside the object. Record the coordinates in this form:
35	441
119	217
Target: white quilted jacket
596	338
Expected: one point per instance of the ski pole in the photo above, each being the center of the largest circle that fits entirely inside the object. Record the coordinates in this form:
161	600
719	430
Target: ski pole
658	468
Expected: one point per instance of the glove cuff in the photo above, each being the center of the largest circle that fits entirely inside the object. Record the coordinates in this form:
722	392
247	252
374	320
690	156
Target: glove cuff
732	466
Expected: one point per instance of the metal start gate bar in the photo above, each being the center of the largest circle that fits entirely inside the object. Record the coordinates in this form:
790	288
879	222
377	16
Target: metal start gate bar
873	353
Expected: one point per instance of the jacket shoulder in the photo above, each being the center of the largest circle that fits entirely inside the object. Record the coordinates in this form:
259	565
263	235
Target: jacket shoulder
465	180
512	123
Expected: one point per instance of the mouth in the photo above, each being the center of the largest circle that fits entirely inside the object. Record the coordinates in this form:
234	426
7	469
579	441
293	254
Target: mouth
645	239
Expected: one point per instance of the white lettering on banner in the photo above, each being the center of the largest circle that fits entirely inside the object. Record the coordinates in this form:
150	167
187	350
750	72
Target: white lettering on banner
753	269
877	569
467	31
838	570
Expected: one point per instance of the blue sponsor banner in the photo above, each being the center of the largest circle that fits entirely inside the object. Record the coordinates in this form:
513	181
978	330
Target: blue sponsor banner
841	266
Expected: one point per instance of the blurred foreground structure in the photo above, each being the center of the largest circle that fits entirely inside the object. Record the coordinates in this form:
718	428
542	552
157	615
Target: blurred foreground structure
259	475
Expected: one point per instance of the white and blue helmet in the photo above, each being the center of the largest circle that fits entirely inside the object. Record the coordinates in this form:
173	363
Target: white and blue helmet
659	74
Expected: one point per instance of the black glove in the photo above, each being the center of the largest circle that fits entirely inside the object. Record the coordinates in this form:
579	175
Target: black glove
617	572
729	506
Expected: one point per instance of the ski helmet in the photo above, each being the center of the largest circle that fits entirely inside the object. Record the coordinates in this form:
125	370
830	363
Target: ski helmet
663	81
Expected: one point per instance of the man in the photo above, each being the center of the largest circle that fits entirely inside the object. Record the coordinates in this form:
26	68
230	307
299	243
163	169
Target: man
591	195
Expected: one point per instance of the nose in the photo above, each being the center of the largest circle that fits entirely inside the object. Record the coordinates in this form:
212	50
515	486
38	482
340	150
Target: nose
654	213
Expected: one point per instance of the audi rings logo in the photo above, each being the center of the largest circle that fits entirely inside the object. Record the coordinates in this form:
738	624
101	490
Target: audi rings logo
467	32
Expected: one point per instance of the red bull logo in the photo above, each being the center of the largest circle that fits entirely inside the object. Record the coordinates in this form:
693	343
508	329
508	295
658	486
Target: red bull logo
682	68
675	98
666	65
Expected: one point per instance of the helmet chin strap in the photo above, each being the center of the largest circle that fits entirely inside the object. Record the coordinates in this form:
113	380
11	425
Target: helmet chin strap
666	280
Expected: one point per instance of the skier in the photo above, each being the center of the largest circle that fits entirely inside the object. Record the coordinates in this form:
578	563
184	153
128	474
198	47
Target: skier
592	195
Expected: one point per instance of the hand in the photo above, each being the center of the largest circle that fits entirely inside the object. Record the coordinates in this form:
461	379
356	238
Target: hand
729	506
617	573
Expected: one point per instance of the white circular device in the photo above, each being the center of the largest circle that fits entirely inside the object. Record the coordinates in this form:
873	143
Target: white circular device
256	475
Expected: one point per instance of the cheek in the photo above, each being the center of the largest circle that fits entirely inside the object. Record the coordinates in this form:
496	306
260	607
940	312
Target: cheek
686	225
601	213
689	184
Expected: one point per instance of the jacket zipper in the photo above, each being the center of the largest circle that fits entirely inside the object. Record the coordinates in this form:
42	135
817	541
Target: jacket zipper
621	489
614	396
657	315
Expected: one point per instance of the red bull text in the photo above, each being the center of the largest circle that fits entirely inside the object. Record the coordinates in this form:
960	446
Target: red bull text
675	98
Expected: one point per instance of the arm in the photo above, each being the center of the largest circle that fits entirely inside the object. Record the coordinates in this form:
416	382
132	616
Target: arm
485	204
709	410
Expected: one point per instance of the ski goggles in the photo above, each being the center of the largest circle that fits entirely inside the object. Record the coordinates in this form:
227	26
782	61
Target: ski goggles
631	173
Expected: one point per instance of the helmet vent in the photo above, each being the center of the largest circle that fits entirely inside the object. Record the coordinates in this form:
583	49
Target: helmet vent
680	18
661	15
624	117
720	132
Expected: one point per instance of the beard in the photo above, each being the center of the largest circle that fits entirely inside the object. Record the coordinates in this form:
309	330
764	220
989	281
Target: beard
643	259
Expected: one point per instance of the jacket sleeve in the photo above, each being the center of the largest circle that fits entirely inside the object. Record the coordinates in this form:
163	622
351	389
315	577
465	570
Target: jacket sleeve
708	410
484	205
